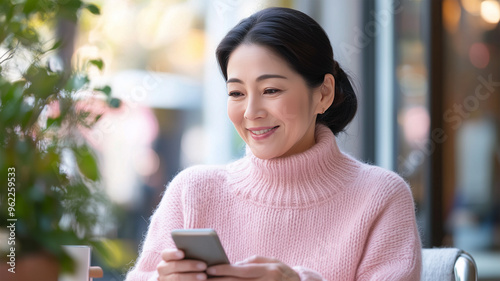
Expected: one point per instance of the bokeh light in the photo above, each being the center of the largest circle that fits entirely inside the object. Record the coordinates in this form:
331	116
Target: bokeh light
490	11
416	124
451	15
479	55
472	6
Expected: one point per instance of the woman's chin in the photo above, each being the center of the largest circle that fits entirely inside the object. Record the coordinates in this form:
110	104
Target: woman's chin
264	155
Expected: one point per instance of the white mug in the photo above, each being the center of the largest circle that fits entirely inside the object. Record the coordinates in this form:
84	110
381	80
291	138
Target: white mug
81	257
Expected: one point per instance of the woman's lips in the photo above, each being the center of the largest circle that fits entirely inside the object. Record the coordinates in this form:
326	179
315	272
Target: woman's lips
259	133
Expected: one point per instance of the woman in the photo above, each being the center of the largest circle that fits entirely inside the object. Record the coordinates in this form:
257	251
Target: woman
295	207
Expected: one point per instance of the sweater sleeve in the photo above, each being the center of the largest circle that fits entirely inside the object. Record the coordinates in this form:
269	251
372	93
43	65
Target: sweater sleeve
392	250
168	216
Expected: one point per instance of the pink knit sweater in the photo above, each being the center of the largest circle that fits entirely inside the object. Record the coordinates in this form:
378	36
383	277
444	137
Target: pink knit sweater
321	212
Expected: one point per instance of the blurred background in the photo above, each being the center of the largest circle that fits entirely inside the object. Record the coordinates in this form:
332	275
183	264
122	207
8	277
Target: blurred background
427	75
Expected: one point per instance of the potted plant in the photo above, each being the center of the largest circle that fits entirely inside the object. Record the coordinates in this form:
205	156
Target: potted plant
49	177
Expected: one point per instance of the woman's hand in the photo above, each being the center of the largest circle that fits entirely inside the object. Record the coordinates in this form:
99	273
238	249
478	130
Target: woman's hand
254	268
173	267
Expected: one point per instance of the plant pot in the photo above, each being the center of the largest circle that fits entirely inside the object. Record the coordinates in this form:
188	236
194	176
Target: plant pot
35	266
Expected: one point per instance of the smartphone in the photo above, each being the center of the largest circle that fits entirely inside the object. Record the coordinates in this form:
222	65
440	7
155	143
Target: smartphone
200	244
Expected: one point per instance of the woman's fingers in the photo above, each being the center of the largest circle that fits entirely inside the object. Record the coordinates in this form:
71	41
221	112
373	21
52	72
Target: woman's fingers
259	259
172	254
195	276
174	267
170	267
256	268
242	270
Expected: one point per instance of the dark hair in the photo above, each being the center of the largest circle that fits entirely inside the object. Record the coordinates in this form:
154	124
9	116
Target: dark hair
303	43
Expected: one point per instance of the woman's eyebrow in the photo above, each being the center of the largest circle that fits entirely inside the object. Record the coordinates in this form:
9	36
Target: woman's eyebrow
234	80
260	78
268	76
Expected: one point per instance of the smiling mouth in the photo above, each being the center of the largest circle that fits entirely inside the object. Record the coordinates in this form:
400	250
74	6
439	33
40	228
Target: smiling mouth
261	132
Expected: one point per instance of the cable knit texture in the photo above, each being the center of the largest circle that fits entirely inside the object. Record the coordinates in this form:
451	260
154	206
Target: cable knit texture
323	213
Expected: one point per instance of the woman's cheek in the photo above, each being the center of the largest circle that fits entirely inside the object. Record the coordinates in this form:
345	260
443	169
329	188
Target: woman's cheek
291	110
235	112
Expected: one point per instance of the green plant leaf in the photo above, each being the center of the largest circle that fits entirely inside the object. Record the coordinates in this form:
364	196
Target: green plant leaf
97	62
114	103
43	83
84	114
14	27
54	121
11	98
87	163
56	45
93	9
106	90
29	6
76	82
68	9
28	36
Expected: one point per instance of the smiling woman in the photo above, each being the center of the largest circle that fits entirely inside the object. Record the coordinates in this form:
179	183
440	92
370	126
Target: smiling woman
270	104
295	207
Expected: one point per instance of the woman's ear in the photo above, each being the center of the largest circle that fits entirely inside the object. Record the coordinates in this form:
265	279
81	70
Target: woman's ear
327	93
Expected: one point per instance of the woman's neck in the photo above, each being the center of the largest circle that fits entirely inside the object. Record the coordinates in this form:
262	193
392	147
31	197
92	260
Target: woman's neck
301	179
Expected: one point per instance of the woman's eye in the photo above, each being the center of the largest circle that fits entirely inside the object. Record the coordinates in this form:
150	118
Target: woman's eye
271	91
235	94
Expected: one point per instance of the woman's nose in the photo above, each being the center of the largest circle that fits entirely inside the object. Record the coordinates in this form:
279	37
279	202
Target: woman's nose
254	109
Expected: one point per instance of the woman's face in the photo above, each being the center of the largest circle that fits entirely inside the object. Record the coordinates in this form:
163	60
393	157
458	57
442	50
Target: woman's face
270	104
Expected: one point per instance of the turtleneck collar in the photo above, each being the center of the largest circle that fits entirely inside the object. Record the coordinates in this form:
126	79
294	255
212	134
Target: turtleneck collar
298	180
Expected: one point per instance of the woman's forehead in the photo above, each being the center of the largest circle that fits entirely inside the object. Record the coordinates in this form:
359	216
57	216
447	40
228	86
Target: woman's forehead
252	60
